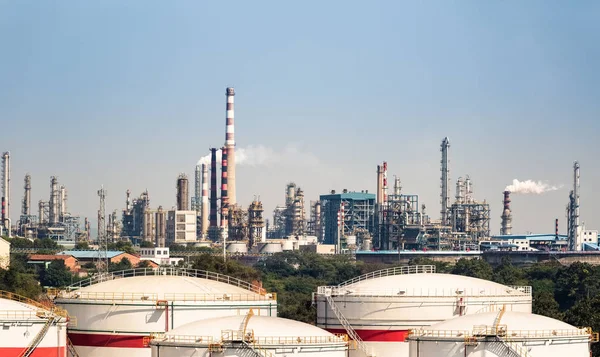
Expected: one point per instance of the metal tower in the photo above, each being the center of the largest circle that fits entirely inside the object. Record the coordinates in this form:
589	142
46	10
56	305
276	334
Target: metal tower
445	196
6	191
102	241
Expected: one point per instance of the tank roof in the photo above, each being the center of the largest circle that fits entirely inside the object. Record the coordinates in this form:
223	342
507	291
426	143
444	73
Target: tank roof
511	319
429	284
12	305
263	326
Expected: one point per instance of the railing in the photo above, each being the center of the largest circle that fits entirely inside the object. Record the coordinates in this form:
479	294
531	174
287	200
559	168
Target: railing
71	348
46	307
515	347
482	331
113	296
169	271
186	297
425	292
17	314
38	338
235	335
408	269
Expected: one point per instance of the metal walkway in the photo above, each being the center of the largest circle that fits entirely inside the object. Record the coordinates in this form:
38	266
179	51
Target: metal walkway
38	338
353	335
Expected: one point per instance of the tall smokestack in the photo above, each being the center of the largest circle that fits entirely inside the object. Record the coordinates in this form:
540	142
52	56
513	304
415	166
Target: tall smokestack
204	225
556	229
224	196
385	184
197	189
379	185
576	195
27	197
6	191
445	195
506	225
54	198
183	197
63	201
230	146
213	187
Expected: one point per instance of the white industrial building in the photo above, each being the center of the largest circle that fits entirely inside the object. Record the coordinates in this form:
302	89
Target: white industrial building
117	313
30	329
158	255
249	335
4	253
181	227
378	309
501	333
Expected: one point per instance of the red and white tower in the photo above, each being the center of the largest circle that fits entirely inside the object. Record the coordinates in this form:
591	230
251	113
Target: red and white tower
230	146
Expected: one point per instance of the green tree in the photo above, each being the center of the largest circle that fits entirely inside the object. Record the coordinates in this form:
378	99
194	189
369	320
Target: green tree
544	304
586	313
576	282
507	274
146	244
144	264
56	275
46	243
122	246
476	268
82	246
123	264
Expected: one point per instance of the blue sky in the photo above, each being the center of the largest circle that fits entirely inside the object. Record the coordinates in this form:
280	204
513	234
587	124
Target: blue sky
130	94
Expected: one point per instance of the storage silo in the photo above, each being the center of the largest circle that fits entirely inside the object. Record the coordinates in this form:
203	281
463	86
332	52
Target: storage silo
378	309
31	329
502	333
118	311
249	335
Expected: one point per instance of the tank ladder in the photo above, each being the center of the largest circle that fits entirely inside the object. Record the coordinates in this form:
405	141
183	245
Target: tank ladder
353	335
71	348
514	348
38	338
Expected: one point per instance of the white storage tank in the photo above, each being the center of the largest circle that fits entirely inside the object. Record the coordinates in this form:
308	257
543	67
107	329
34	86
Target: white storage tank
249	335
117	313
269	248
384	305
498	334
237	247
29	327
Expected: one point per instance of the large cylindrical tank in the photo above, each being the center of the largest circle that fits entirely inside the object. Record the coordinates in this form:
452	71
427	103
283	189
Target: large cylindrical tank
117	313
237	247
288	245
269	247
249	336
384	305
498	334
26	324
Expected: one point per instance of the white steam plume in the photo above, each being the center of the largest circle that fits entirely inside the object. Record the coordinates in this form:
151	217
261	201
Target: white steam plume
530	187
262	156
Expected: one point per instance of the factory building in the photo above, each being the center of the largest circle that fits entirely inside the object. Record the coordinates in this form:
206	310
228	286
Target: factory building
378	309
501	333
180	227
249	335
346	214
118	313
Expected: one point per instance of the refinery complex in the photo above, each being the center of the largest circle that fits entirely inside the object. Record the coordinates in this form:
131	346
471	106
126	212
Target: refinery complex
340	221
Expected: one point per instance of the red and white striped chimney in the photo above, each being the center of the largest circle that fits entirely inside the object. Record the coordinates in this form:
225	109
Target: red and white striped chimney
230	146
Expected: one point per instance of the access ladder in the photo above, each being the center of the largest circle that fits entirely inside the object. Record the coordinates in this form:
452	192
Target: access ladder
38	338
353	335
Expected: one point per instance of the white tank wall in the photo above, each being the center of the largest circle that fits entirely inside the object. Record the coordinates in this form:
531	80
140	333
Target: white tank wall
317	351
16	336
543	348
143	318
404	313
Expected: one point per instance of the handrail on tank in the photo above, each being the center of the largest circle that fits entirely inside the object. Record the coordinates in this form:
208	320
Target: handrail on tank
168	271
425	292
51	308
502	330
235	335
406	269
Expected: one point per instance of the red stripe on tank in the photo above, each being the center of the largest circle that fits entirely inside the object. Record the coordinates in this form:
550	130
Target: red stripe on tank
107	340
377	335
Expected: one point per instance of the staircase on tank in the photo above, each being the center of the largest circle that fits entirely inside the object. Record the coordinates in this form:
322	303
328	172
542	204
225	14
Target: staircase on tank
348	327
39	337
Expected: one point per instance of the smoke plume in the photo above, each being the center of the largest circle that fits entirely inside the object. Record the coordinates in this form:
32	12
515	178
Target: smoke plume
263	156
530	187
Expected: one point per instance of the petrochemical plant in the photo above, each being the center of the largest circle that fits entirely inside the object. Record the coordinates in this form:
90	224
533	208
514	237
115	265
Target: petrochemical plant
346	221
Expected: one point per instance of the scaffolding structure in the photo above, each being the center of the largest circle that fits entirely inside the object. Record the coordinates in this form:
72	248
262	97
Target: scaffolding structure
256	222
345	213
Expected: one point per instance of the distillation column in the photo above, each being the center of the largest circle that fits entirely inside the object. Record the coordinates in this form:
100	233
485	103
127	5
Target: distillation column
445	196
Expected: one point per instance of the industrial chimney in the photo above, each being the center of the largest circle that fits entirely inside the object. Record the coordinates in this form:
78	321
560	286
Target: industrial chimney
183	199
27	197
230	146
53	212
506	225
6	191
204	224
213	187
224	195
445	178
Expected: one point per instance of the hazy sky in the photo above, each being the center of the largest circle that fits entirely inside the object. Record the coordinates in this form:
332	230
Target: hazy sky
129	94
